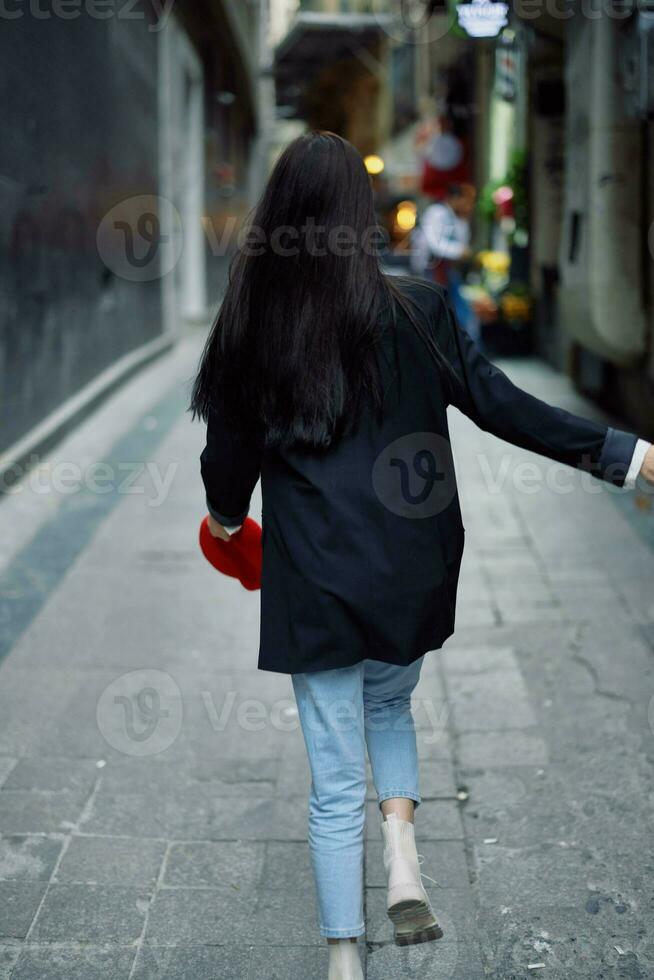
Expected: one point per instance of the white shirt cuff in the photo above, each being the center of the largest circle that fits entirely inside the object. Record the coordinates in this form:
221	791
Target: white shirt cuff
636	463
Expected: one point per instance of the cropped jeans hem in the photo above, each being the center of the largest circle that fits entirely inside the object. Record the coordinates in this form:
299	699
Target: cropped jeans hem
343	933
399	793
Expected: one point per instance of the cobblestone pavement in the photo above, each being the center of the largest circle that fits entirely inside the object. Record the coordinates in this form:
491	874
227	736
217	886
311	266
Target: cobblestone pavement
153	800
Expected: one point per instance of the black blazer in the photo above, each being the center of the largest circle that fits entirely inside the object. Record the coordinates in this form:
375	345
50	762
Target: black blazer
362	544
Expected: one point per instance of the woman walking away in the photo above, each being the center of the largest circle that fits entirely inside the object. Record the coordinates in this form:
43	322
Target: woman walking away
331	383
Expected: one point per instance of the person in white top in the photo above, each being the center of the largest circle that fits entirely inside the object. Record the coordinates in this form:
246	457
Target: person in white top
441	242
444	231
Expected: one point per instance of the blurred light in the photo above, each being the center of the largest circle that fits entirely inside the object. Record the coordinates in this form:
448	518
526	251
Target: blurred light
502	195
406	215
374	164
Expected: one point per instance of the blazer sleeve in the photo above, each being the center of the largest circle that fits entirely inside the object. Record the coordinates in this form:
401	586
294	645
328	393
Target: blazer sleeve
230	468
485	394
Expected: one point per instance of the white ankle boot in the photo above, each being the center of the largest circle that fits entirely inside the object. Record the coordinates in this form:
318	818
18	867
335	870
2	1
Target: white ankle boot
344	962
408	905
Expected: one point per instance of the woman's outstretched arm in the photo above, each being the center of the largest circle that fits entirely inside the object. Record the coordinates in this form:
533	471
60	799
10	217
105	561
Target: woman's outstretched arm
485	394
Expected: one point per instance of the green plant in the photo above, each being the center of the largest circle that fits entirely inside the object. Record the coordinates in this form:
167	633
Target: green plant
486	206
518	180
520	289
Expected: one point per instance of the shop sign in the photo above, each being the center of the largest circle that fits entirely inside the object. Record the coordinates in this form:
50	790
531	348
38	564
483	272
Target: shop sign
483	18
507	71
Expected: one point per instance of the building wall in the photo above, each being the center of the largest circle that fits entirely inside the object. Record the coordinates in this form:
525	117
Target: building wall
231	186
649	258
601	245
547	152
79	134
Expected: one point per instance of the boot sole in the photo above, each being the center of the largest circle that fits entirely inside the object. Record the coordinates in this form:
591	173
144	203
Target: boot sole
403	913
421	936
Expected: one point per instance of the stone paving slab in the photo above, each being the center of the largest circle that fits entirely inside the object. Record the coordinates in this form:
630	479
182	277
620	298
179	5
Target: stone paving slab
74	963
490	702
438	961
222	777
192	963
204	916
287	866
90	914
498	749
19	902
112	861
294	912
229	866
292	963
25	811
8	957
24	858
6	765
53	774
434	744
198	916
568	945
196	813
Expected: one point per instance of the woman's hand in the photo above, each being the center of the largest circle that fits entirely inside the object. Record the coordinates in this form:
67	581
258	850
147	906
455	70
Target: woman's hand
217	530
647	469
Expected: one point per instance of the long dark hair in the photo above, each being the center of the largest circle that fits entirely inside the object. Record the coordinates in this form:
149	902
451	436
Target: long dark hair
291	356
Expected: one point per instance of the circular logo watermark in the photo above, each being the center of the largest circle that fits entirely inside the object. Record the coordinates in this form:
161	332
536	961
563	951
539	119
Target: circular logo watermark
414	475
140	713
141	238
414	21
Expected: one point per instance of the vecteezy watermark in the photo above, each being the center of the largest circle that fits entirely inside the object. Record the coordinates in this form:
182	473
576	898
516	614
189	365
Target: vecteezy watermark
140	238
414	475
288	241
423	21
94	9
563	10
97	477
340	715
140	713
414	21
531	476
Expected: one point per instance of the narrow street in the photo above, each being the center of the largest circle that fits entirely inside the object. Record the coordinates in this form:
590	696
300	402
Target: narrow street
153	782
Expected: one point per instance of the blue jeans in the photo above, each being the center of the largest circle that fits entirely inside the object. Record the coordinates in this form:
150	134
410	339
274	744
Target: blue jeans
341	712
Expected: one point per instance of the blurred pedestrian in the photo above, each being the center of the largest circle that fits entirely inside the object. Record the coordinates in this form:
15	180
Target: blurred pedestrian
441	245
331	381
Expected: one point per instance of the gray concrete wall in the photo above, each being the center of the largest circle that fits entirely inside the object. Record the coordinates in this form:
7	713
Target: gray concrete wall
79	134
